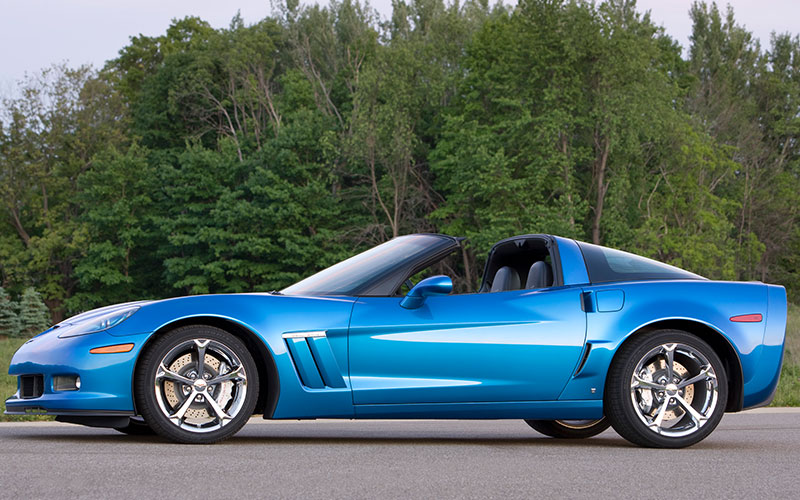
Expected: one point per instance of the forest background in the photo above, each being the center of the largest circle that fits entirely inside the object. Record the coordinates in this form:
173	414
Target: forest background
242	159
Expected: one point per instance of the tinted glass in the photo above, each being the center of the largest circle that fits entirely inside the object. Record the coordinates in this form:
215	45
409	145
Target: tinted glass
357	273
606	264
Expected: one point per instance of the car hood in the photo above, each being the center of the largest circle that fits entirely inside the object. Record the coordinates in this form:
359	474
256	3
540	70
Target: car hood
243	308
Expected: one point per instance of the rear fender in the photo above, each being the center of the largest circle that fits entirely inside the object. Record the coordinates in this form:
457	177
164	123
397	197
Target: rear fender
649	305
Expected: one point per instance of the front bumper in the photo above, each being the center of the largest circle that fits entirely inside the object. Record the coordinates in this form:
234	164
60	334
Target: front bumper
106	380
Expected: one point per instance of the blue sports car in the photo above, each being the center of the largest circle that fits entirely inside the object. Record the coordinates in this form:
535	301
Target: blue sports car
571	337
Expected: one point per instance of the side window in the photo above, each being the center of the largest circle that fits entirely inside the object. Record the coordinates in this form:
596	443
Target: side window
452	266
607	265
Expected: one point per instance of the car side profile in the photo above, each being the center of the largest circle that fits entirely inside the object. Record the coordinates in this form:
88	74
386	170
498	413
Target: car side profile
569	336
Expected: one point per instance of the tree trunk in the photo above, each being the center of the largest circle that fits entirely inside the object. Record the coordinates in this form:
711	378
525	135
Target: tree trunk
20	229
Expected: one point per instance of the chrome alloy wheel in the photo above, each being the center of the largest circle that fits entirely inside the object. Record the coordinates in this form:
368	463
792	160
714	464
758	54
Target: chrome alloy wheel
200	385
674	390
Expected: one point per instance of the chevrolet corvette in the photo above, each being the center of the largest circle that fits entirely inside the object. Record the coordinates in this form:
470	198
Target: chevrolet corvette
570	337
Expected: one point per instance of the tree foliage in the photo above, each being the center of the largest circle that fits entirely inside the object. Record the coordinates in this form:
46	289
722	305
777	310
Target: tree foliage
33	314
244	158
9	320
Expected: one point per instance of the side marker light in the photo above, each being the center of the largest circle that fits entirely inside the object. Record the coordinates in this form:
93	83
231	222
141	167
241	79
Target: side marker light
747	318
111	349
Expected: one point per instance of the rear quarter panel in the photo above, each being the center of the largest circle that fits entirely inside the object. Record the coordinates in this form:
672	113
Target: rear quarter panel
710	303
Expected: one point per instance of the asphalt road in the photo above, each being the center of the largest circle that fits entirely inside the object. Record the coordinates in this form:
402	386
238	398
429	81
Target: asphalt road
754	454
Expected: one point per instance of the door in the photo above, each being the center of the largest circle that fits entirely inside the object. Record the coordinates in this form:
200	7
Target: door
509	346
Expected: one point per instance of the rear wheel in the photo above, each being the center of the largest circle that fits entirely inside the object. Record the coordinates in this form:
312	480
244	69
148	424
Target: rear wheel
197	384
570	429
666	389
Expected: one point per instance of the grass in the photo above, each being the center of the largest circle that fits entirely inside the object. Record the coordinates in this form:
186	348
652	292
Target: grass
788	393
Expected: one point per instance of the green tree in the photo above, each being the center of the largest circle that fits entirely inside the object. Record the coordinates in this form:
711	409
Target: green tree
207	160
53	130
9	320
394	121
688	222
554	127
257	224
33	314
748	99
119	197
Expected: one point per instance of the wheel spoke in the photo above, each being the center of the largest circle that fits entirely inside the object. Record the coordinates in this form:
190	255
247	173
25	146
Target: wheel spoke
656	423
164	372
177	417
200	347
221	415
669	355
235	374
697	417
640	383
705	374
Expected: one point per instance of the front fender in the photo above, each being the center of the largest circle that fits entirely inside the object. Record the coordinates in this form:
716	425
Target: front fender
269	317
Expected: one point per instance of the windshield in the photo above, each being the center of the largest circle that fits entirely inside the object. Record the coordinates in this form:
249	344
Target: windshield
357	273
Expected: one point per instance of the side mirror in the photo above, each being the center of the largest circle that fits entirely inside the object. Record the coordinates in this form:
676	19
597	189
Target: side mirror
435	285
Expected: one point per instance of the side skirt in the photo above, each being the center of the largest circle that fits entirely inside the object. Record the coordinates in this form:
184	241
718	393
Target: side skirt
540	410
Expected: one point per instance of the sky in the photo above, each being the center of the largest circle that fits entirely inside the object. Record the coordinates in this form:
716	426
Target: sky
761	17
37	33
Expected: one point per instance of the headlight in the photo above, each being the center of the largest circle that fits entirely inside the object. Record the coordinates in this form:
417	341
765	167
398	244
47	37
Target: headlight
98	324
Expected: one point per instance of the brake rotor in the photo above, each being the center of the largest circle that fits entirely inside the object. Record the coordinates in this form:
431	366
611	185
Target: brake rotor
649	401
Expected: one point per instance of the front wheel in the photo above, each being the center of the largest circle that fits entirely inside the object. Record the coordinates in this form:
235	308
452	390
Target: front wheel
666	389
570	429
197	384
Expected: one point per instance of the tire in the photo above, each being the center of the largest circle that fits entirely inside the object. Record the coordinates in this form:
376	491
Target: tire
647	408
136	427
570	429
181	407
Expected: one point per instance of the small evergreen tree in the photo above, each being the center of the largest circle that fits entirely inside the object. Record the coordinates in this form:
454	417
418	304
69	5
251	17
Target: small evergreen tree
9	321
33	314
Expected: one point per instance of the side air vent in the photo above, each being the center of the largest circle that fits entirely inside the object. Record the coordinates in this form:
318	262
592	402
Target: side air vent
586	352
312	356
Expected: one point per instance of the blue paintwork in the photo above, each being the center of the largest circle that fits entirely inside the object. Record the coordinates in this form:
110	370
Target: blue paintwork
512	354
609	300
105	379
510	346
573	267
648	303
